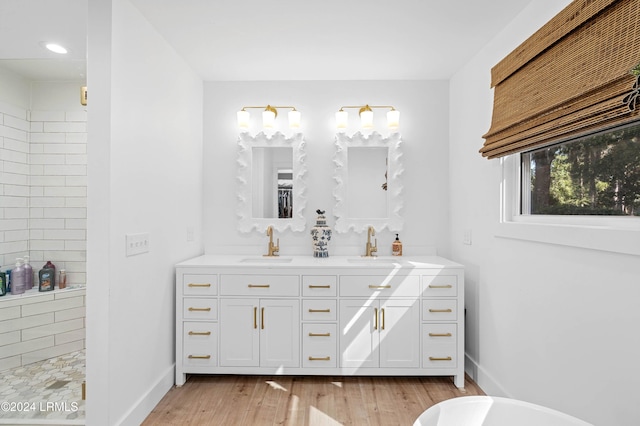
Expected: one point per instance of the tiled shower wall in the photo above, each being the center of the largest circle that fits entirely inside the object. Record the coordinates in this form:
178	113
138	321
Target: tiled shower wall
43	189
14	184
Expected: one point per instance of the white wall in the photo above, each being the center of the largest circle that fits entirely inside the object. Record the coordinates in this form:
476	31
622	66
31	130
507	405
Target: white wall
145	175
554	325
423	124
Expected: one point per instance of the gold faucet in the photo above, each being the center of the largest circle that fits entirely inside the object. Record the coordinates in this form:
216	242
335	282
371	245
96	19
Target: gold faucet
273	248
371	248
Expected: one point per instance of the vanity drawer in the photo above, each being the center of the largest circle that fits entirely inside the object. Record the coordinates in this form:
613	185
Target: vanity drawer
319	310
194	308
199	285
380	285
319	285
319	345
200	343
439	334
439	310
439	347
259	285
439	285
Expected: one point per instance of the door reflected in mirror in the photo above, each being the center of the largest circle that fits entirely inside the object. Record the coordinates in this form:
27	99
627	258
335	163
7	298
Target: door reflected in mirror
366	190
272	172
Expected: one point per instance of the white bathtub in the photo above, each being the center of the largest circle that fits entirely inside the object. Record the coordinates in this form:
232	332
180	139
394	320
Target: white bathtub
493	411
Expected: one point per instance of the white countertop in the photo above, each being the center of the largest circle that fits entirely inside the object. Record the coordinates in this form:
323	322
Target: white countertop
289	262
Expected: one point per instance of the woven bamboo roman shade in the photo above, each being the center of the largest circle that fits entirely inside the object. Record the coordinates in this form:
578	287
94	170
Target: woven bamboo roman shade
569	78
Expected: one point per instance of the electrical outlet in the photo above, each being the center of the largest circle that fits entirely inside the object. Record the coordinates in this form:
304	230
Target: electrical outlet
190	234
137	243
466	239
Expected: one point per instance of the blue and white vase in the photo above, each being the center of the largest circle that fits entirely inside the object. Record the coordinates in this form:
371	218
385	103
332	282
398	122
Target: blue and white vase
321	235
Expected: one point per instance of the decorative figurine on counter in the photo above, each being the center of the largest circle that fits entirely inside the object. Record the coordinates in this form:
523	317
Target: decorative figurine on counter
321	235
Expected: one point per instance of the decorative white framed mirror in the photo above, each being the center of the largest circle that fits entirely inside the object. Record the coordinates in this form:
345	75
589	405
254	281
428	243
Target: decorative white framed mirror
271	182
368	191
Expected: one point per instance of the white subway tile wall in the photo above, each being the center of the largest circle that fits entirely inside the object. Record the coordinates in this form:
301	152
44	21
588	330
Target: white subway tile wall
43	189
36	326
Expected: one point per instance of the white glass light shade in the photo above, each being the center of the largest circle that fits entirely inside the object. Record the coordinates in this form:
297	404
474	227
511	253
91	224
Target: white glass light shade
294	119
366	119
268	119
342	119
243	119
393	119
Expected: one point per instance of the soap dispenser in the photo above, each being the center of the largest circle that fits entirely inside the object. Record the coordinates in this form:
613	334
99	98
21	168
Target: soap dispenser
17	278
28	274
396	247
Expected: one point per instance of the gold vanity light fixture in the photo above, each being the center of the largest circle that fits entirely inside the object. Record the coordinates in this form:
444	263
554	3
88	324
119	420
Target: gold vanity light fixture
366	116
269	114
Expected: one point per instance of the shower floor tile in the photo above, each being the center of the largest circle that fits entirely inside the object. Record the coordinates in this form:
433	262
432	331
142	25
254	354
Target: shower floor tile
48	390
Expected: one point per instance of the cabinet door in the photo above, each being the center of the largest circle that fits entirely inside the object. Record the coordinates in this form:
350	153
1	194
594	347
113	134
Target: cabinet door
399	333
239	333
279	333
359	335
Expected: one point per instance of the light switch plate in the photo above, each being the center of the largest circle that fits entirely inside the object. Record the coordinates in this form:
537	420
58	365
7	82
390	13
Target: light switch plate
137	243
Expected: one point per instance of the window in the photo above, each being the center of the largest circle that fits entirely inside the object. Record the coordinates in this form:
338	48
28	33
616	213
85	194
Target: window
598	174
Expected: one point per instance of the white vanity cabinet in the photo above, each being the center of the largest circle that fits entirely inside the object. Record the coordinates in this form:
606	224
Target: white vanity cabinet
319	321
380	321
380	333
334	316
260	315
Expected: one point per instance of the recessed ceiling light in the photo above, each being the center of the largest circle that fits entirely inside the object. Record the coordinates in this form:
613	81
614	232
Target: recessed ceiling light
56	48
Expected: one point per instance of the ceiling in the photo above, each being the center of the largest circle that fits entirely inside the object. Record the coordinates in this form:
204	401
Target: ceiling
26	25
276	40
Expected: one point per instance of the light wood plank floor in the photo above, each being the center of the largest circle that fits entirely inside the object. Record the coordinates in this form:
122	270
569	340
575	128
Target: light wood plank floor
306	401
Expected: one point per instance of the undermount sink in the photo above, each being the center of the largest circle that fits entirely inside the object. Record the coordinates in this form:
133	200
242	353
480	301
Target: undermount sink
266	259
371	259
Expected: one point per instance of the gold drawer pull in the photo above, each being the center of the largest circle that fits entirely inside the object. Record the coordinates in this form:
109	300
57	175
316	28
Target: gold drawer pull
259	285
199	356
199	333
440	310
433	358
319	286
319	334
440	286
199	285
440	334
313	311
325	358
379	286
199	309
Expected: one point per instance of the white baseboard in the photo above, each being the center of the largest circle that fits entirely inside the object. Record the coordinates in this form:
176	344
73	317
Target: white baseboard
487	383
147	402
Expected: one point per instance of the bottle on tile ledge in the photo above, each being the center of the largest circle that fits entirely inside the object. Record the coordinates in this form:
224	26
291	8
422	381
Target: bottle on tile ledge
17	278
8	281
62	279
321	235
47	277
3	283
28	274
